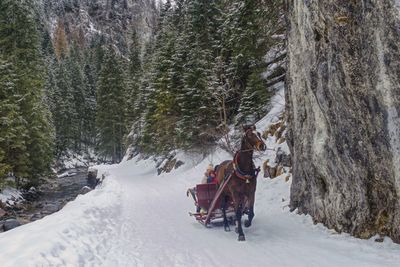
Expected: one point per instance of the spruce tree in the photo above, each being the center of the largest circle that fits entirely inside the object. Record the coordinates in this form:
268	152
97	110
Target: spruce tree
63	109
110	114
199	113
245	41
254	99
13	130
142	135
76	80
159	119
89	113
134	74
20	45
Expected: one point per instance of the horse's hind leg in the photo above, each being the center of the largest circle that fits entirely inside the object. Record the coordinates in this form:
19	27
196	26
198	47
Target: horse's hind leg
224	202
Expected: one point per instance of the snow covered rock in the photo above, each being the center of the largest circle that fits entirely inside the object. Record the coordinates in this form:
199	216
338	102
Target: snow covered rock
31	195
50	208
36	217
85	190
282	158
11	224
343	107
2	212
169	164
92	177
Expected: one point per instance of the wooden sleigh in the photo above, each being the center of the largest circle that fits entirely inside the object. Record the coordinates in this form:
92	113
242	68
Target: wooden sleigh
207	198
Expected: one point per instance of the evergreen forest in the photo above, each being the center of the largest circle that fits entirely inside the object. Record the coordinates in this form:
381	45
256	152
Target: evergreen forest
200	71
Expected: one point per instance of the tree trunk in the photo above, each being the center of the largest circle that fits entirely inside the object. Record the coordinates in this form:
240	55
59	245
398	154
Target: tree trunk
343	102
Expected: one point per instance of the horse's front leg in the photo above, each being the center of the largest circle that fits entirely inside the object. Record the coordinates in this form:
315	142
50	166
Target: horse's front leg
224	202
239	213
250	214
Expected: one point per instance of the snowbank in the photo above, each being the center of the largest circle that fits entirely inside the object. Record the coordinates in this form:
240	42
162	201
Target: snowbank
75	236
73	160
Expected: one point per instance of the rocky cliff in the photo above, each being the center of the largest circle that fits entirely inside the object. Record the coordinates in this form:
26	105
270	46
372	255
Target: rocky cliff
90	20
343	103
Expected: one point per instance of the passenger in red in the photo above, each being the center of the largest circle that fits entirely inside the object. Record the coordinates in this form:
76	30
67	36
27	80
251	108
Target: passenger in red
210	176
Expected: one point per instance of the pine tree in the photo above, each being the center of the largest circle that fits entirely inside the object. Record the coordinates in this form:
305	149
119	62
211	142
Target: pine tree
158	133
89	113
110	121
199	113
19	45
141	137
245	41
13	130
134	74
254	99
62	109
76	80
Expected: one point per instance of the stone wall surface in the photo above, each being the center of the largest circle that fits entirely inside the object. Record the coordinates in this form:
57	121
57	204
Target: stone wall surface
343	106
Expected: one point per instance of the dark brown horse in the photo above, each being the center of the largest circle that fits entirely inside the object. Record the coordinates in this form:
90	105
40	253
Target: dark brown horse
241	187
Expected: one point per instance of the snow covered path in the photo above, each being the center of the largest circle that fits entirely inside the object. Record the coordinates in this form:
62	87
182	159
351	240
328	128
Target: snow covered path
156	231
140	219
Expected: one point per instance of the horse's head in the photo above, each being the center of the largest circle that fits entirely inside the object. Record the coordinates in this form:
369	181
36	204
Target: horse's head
252	139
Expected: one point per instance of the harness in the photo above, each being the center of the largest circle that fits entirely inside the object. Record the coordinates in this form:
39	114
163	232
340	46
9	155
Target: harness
241	174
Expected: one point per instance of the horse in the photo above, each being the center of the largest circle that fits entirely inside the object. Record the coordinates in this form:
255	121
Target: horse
241	186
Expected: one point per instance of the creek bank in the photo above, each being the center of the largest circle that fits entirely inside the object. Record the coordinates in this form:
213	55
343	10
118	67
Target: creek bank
48	198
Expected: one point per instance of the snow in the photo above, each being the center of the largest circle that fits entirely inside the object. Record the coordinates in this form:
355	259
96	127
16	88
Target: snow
73	160
10	195
136	218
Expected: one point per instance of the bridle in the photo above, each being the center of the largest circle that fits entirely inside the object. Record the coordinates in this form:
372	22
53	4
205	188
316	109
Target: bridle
256	146
239	173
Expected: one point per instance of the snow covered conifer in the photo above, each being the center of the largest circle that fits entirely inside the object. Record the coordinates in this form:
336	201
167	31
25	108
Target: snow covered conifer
77	106
110	113
134	73
19	45
13	129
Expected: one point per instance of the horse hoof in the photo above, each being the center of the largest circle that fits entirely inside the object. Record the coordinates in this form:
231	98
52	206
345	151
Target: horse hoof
241	238
227	229
247	223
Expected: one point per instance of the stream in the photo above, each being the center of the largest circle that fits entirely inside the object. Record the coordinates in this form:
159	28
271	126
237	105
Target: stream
51	198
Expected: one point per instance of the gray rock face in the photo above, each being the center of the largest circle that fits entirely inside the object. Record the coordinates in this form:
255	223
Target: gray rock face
113	20
343	103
